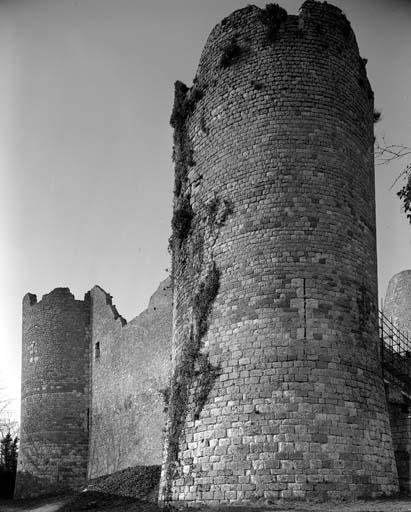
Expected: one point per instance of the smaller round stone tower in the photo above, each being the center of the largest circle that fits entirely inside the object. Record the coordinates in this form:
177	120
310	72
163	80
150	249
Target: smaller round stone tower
397	304
54	394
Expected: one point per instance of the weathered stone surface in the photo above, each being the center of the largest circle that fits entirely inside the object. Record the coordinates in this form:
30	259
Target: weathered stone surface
129	375
277	389
401	434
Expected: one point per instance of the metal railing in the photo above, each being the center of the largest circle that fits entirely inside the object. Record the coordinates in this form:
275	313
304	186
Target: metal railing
395	348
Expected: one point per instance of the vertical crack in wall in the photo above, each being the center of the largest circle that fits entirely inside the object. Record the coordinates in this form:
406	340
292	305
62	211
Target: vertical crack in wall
305	309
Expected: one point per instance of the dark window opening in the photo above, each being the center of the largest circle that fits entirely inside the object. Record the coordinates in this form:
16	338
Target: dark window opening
97	350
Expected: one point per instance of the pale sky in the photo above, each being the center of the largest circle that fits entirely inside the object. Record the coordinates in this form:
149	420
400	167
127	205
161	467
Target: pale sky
86	90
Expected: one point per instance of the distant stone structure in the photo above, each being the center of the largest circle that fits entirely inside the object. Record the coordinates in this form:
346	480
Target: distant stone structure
92	388
397	304
268	360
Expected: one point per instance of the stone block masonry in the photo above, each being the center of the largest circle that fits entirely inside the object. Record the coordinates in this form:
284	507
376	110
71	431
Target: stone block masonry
53	452
277	389
130	365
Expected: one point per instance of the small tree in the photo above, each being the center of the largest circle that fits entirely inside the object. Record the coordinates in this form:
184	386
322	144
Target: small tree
8	448
8	464
385	154
8	453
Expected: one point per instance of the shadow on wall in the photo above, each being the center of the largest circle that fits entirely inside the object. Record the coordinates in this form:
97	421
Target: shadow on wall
102	501
139	482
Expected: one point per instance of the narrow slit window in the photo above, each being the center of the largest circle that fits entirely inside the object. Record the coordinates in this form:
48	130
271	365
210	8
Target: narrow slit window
97	350
33	352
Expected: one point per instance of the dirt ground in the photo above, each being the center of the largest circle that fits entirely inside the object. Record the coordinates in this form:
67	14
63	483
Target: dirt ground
99	502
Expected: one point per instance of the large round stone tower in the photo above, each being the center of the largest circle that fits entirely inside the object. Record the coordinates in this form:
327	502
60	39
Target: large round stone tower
276	389
54	396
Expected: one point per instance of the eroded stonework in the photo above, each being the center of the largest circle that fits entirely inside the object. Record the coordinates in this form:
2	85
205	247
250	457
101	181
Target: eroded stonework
130	370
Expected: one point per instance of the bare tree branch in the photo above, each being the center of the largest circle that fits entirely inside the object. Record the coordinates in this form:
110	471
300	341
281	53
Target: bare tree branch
8	423
385	154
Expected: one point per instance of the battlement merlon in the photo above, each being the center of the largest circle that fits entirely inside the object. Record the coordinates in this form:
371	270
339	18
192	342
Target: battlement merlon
29	300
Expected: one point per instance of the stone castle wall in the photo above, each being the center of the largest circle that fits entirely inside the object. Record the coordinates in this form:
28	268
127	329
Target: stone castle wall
53	451
277	389
130	367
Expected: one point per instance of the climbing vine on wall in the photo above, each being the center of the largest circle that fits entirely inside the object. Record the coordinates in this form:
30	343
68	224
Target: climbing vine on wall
193	371
185	101
195	230
181	222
